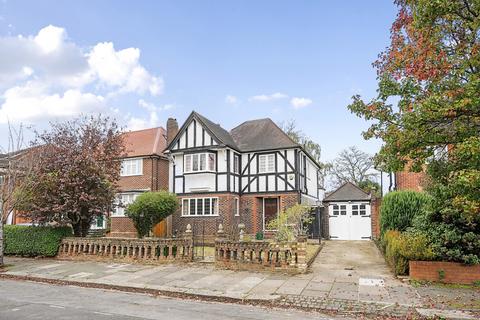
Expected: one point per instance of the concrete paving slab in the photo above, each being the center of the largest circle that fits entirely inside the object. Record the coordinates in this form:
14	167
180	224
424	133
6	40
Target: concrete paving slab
319	286
315	293
266	287
292	286
344	290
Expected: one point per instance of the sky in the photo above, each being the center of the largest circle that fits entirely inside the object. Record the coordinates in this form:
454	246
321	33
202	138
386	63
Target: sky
144	61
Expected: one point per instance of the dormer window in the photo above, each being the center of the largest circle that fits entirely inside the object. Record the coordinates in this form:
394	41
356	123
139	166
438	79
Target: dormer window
199	162
132	167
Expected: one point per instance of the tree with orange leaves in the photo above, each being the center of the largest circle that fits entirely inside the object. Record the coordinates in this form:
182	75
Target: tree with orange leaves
427	112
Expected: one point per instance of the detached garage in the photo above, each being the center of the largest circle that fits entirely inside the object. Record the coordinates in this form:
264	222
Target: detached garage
348	210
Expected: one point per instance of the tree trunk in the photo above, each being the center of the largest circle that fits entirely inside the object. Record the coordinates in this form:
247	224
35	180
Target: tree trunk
76	229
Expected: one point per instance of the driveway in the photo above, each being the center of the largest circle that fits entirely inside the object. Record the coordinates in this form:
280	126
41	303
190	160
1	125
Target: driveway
349	261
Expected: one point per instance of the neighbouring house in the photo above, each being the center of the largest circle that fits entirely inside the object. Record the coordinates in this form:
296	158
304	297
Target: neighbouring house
243	176
145	168
349	215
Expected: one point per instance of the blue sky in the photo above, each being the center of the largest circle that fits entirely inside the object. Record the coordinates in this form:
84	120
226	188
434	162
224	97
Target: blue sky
229	60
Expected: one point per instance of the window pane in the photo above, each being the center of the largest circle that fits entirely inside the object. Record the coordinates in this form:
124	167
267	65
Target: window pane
185	207
195	162
203	162
192	207
262	167
199	206
343	210
215	206
235	207
211	162
271	163
188	163
207	207
236	163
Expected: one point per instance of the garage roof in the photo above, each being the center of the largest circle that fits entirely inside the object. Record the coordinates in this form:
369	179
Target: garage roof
348	192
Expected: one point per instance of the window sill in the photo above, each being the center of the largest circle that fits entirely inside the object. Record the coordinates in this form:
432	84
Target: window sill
198	172
131	175
201	216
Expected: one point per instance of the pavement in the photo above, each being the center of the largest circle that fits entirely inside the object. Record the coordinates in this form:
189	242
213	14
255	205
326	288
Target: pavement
29	300
345	277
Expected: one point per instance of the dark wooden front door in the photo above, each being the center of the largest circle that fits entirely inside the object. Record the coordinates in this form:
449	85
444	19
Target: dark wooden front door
270	207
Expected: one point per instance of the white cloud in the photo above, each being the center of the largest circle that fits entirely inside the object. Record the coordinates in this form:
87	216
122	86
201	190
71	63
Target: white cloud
231	99
138	123
268	97
122	69
47	75
298	103
36	103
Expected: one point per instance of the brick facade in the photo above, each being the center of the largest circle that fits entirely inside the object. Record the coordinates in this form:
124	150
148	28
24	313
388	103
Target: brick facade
154	178
406	180
250	209
447	272
375	216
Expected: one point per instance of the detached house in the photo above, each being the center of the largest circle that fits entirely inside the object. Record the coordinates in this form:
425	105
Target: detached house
145	168
246	175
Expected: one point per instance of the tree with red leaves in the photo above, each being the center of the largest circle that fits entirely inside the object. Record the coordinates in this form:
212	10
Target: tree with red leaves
427	112
75	175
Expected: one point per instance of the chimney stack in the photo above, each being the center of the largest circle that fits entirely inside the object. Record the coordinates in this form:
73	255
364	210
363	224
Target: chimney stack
172	129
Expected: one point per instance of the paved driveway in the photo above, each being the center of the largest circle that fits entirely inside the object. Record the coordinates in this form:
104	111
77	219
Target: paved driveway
348	261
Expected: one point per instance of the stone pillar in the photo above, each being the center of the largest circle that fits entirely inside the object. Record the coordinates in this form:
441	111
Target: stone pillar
302	253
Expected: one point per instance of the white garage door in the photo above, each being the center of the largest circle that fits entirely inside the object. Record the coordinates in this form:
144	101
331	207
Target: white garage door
350	221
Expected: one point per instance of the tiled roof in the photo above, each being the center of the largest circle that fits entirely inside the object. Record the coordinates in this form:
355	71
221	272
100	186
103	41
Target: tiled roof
151	141
220	133
348	192
261	134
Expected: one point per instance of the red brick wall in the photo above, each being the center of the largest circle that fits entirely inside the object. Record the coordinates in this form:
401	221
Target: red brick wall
375	214
405	180
122	227
251	213
453	272
154	177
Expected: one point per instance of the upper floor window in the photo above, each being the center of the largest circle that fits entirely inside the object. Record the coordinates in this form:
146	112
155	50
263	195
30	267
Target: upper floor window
132	167
199	162
236	163
266	163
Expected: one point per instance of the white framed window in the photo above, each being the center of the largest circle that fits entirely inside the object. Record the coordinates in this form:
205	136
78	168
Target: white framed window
336	210
132	167
199	207
266	163
236	163
363	209
236	207
123	200
355	209
199	162
343	209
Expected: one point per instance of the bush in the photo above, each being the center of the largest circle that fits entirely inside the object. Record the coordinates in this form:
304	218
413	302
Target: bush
400	248
291	223
31	241
399	208
150	208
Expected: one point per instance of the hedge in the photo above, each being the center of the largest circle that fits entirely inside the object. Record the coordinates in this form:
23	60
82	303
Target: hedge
399	248
31	241
399	208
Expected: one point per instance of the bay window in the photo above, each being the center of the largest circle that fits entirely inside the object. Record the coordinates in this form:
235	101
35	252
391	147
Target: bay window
199	162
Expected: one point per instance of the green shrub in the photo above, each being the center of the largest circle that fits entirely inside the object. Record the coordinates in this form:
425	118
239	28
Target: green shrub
291	223
399	208
259	236
31	241
400	248
150	208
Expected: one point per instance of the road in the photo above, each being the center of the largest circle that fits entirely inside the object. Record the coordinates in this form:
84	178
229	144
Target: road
30	300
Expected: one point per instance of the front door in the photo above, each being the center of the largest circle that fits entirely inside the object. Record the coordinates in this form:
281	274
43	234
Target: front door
270	211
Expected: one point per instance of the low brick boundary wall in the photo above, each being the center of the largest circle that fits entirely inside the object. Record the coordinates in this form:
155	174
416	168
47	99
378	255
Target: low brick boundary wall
447	272
141	250
261	255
